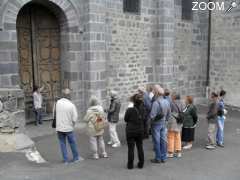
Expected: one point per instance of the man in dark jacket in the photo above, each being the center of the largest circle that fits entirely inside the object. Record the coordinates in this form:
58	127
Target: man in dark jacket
113	118
212	120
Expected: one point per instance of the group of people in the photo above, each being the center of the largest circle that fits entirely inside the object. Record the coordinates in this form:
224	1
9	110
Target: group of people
154	111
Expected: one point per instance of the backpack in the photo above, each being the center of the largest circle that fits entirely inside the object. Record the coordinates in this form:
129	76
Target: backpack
180	116
99	123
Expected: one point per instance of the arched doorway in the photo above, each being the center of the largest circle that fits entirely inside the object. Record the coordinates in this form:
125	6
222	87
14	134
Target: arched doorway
38	33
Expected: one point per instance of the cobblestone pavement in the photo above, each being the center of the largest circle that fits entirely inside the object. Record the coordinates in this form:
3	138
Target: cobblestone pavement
198	163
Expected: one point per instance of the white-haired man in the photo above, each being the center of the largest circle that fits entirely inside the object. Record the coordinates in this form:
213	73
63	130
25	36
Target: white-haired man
66	117
160	113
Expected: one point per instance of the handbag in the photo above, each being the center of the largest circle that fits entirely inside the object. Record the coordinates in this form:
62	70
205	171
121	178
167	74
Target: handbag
180	117
54	117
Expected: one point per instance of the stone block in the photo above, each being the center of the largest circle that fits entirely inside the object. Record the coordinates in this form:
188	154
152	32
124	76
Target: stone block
8	68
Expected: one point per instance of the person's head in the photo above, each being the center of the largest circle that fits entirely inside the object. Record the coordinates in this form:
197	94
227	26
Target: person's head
113	94
166	92
137	99
222	93
189	100
141	90
158	90
214	96
35	89
149	88
175	96
93	101
66	93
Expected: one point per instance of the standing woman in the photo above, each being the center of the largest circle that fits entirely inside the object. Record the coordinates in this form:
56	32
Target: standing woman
96	140
37	103
113	118
189	123
134	117
175	127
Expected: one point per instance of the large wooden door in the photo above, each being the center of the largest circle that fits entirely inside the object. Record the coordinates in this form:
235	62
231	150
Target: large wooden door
39	53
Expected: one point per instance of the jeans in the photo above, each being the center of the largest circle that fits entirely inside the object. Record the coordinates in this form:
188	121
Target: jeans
63	136
159	134
95	142
131	141
220	130
113	133
38	114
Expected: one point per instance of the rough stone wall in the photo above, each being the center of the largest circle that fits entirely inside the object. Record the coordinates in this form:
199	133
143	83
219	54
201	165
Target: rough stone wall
130	46
190	53
225	54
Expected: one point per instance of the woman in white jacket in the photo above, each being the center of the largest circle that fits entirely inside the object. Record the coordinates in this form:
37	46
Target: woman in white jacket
96	140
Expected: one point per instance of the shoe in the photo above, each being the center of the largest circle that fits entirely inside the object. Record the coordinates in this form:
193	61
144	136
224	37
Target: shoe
116	145
170	155
189	146
110	143
163	161
77	160
95	156
210	147
178	155
155	161
104	155
140	165
220	145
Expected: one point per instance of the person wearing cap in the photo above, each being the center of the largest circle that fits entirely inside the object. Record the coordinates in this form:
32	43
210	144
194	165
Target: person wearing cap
212	120
66	117
160	113
113	118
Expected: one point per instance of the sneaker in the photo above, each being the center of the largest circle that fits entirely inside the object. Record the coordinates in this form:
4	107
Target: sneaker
116	145
155	161
104	155
189	146
170	155
77	160
178	155
220	145
210	147
95	156
110	143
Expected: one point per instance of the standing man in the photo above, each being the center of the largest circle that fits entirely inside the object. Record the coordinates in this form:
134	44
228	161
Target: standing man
160	113
113	118
212	120
37	103
221	119
66	117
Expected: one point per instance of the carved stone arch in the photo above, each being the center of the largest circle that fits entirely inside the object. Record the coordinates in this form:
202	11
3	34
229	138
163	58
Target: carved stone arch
10	8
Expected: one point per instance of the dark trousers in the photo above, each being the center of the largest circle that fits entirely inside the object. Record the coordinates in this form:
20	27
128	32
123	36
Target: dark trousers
131	141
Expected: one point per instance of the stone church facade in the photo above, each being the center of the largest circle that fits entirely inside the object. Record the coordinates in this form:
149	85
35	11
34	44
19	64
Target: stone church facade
93	46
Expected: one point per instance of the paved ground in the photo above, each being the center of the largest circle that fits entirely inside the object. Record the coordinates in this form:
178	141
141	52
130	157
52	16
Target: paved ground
198	163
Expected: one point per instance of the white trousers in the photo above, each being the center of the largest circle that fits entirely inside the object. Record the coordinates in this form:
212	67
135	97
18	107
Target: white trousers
113	133
97	145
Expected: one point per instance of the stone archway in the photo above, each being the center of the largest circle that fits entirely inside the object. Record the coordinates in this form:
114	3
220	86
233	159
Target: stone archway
68	16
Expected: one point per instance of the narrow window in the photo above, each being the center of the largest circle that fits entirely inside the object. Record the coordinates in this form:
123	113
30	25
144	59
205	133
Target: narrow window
187	9
131	6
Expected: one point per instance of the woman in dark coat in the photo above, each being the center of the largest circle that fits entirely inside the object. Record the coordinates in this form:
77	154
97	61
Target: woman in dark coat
134	117
189	123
